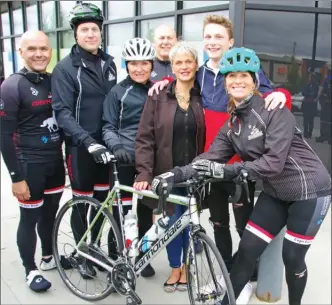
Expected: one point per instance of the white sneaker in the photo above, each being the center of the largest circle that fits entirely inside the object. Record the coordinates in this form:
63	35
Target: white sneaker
48	266
245	295
210	288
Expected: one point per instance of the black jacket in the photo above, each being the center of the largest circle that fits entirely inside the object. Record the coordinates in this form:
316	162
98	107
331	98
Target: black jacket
80	83
273	149
161	69
123	108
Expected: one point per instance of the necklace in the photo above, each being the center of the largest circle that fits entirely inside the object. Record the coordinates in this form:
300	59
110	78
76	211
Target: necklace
181	98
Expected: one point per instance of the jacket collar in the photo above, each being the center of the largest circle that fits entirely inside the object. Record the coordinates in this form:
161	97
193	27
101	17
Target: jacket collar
146	86
162	62
77	54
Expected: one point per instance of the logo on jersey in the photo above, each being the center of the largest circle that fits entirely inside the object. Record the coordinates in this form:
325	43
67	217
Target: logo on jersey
2	104
111	76
34	91
255	132
44	139
153	74
51	124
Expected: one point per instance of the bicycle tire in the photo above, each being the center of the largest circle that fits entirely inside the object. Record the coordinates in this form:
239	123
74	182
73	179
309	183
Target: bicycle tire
56	254
213	248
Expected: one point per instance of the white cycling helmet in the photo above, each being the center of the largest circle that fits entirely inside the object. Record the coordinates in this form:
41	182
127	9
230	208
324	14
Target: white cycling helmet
138	49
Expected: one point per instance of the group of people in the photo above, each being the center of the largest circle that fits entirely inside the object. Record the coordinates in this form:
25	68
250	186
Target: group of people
168	115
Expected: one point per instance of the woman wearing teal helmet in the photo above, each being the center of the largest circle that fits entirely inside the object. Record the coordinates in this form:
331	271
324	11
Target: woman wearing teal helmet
296	185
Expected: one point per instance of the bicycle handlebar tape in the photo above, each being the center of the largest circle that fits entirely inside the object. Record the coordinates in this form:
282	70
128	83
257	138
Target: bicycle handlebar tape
271	271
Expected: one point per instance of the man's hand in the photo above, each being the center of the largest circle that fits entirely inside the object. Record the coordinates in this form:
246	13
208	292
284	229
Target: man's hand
100	153
162	182
142	185
209	168
275	99
158	86
21	190
121	154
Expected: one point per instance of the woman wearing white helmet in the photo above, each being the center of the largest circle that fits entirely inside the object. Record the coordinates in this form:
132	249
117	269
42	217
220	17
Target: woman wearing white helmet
122	111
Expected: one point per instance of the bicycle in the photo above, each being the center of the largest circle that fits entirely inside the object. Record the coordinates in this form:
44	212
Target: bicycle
121	271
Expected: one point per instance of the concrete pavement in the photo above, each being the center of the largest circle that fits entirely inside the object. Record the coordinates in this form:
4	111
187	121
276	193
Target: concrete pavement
15	291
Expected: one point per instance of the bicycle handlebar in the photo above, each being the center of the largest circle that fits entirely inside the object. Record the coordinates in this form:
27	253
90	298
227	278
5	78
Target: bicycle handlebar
243	184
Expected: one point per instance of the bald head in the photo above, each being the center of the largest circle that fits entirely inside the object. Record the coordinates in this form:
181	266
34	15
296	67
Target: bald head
164	40
35	50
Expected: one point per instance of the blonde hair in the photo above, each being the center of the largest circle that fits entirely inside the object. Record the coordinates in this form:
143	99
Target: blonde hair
182	47
221	20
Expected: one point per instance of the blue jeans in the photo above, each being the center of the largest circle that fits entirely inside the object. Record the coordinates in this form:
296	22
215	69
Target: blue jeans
179	245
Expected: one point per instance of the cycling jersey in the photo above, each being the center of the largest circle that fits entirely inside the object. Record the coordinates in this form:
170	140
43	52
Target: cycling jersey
29	131
161	69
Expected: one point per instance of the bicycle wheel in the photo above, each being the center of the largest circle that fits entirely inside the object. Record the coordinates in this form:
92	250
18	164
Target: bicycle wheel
211	284
84	278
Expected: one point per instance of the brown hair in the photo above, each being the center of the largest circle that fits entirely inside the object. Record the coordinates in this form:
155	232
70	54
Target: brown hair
231	101
221	20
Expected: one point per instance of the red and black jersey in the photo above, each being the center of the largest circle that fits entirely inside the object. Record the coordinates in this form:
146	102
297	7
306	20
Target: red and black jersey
29	131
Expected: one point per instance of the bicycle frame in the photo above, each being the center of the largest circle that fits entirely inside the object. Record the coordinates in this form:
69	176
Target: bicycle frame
189	217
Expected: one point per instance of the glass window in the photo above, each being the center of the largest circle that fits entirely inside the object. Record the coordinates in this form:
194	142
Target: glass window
193	31
97	3
65	8
67	40
52	38
32	16
7	56
153	7
148	26
323	48
326	3
120	9
17	17
19	64
284	2
48	15
193	4
5	24
117	36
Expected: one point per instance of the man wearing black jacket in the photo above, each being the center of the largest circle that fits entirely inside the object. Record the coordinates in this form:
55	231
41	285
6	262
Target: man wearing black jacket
80	83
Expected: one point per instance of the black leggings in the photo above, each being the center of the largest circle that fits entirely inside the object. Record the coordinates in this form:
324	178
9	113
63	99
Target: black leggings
46	184
270	215
217	202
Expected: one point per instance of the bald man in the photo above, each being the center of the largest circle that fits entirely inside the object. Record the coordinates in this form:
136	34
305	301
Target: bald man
164	40
33	156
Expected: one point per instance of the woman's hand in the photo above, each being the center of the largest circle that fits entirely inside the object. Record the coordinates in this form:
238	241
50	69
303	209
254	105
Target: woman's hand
142	185
158	86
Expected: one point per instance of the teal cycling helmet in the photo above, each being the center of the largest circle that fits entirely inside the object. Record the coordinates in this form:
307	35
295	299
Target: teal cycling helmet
239	60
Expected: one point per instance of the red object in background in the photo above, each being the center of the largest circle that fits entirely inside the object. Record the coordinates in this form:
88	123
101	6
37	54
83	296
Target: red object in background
282	70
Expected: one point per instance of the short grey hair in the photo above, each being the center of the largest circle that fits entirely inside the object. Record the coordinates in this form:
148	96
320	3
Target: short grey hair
182	47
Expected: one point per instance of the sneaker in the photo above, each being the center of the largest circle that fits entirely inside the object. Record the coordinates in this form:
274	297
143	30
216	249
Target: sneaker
245	295
37	282
210	288
86	270
49	264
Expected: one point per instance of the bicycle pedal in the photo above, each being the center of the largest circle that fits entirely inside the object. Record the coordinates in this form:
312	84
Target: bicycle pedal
133	299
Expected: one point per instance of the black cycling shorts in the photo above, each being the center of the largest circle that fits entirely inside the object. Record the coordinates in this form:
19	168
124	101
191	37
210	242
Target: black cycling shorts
302	218
86	176
42	179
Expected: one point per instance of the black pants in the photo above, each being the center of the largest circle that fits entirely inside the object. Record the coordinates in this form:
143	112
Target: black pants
303	220
126	175
46	183
87	178
309	111
217	202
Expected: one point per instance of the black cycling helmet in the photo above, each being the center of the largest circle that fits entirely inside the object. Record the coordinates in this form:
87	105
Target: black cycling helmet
85	12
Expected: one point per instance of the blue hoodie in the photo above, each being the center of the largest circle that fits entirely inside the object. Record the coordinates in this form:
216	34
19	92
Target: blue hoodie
213	93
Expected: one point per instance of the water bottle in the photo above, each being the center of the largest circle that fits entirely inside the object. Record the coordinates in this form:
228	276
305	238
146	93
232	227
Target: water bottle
131	233
151	236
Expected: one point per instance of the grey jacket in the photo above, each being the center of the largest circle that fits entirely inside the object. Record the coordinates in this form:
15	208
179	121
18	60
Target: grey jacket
273	149
122	112
161	69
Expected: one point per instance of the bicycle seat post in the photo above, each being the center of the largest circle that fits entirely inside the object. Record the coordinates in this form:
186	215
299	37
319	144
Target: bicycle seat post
115	171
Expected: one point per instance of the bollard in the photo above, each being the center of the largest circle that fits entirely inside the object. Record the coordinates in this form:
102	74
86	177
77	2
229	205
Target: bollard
271	271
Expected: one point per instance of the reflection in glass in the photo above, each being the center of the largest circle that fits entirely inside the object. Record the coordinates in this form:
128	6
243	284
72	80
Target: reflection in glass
32	19
65	8
193	4
120	9
19	64
148	26
52	38
7	56
18	21
153	7
48	15
67	40
5	24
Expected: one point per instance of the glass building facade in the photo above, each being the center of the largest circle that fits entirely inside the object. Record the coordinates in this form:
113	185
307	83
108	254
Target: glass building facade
291	37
